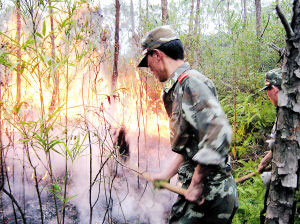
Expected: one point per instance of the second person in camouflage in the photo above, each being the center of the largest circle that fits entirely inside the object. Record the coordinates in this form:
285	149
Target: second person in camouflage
273	81
199	132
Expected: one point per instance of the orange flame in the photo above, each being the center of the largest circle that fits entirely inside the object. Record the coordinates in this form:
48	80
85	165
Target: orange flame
88	86
45	175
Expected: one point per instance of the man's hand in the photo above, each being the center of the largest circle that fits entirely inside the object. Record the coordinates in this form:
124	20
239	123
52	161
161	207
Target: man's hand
195	190
261	167
264	162
194	193
170	170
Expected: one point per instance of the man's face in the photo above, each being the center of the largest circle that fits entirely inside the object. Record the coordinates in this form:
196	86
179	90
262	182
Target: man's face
272	93
156	66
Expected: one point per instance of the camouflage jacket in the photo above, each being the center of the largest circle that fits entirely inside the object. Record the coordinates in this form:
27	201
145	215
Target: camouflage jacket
199	129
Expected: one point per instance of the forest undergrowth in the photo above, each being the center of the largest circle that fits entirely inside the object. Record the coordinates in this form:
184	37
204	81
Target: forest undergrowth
66	114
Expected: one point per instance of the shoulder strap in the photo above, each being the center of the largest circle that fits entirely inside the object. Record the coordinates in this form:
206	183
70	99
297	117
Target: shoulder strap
182	77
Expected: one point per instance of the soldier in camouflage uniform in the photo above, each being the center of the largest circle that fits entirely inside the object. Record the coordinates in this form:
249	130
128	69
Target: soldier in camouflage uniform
273	81
273	86
200	134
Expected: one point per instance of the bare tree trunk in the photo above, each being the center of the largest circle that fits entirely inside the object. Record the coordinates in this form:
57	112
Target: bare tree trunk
140	12
245	12
164	8
191	17
258	16
55	93
135	37
147	9
132	17
18	52
117	46
197	17
196	51
286	153
228	7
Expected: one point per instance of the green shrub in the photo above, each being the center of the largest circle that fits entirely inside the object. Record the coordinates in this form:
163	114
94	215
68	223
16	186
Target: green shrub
251	195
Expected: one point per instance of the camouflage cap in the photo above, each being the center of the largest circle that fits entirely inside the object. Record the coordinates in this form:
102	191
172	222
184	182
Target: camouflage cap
273	78
154	39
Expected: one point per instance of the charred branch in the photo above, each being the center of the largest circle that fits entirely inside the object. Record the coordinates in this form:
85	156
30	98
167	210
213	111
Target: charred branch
10	192
91	174
122	144
16	203
36	182
117	46
288	29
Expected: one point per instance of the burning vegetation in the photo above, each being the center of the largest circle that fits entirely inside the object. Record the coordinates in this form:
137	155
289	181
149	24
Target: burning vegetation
122	144
66	135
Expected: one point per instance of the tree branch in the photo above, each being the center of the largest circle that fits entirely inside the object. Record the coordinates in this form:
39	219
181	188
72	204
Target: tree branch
281	51
288	29
275	47
16	203
265	28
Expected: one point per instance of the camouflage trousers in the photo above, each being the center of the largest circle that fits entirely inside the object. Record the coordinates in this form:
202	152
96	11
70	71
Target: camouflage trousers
219	207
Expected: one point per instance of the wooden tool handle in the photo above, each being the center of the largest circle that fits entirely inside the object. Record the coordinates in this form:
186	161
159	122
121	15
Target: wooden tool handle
181	191
246	177
165	185
170	187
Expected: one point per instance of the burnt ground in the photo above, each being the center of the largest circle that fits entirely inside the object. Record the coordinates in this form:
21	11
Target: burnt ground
72	213
32	211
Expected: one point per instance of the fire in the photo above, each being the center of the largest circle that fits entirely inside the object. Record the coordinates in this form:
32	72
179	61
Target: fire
85	86
43	178
45	175
84	90
88	86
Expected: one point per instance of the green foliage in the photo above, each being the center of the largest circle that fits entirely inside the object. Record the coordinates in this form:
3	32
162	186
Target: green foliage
251	195
42	138
74	147
17	107
4	61
253	117
235	58
58	193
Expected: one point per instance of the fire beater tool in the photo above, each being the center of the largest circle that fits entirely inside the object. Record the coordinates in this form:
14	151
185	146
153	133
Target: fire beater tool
248	176
179	190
